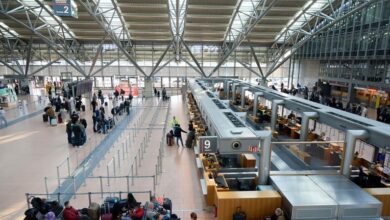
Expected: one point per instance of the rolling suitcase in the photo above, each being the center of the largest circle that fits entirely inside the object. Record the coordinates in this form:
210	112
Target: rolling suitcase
59	118
83	108
45	118
167	204
53	122
239	215
169	139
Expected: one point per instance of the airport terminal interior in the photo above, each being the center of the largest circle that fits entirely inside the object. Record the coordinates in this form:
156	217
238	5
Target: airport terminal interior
195	109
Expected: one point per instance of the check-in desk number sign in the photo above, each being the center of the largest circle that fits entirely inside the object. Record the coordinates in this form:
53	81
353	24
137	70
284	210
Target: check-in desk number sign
208	144
253	149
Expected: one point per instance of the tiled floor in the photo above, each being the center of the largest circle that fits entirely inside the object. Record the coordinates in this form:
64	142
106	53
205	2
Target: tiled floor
31	150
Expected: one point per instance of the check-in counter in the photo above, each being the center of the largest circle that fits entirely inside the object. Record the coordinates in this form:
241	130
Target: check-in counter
248	160
255	204
383	195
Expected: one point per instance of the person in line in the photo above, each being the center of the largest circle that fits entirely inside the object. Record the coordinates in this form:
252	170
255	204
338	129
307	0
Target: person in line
137	213
69	131
3	120
94	102
177	133
174	122
190	138
364	111
51	114
190	125
193	216
164	94
155	91
95	119
70	213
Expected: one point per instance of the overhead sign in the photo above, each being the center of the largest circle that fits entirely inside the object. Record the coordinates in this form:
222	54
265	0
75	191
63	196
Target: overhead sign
208	144
65	8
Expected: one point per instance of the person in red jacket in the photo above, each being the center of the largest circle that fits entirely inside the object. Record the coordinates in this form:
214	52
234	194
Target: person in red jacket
70	213
137	213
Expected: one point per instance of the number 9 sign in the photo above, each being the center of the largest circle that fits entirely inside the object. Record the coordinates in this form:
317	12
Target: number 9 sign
208	144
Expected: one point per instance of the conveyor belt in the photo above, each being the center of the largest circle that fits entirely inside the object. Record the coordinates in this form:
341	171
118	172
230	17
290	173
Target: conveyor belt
279	163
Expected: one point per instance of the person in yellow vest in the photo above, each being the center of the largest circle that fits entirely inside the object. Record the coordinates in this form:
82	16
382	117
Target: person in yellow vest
174	122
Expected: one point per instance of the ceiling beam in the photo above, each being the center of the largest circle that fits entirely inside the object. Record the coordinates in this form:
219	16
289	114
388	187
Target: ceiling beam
95	11
285	50
234	37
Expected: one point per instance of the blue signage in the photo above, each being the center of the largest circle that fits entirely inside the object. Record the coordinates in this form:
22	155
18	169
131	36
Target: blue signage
66	8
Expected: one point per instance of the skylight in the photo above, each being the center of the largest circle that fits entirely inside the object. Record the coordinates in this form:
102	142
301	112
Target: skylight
245	10
8	32
47	18
301	18
177	15
112	13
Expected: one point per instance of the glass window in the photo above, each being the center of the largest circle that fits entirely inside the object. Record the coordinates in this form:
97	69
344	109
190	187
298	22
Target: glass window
133	81
107	82
99	82
141	82
157	82
165	82
74	78
174	82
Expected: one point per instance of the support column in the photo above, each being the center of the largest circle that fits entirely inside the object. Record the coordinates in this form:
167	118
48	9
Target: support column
350	139
263	82
227	90
243	96
256	101
306	116
148	90
235	85
275	104
265	157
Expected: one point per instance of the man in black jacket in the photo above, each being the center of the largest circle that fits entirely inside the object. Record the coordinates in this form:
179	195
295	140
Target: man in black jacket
177	133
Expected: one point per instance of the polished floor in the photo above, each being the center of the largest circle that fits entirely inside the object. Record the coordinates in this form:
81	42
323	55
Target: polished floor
32	150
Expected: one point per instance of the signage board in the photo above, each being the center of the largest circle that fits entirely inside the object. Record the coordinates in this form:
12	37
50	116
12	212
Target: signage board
65	8
208	144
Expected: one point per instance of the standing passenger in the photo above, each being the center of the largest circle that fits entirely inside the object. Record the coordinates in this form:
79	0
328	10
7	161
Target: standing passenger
177	133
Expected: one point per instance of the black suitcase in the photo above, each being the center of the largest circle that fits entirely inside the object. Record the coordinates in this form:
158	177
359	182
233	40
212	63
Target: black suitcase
106	104
45	118
169	139
239	215
83	108
167	204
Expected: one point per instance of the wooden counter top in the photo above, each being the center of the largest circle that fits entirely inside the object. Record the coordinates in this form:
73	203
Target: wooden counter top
247	194
378	191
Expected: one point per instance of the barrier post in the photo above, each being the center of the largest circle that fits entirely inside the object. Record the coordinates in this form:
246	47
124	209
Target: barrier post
74	187
28	200
46	189
154	185
136	169
89	198
101	185
132	174
139	157
123	150
77	158
119	159
113	161
68	164
85	175
108	176
58	178
127	183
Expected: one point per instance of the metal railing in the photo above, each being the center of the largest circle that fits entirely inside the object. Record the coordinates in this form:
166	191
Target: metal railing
48	196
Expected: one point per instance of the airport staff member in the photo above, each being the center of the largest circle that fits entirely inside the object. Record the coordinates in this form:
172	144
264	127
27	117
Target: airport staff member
174	122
